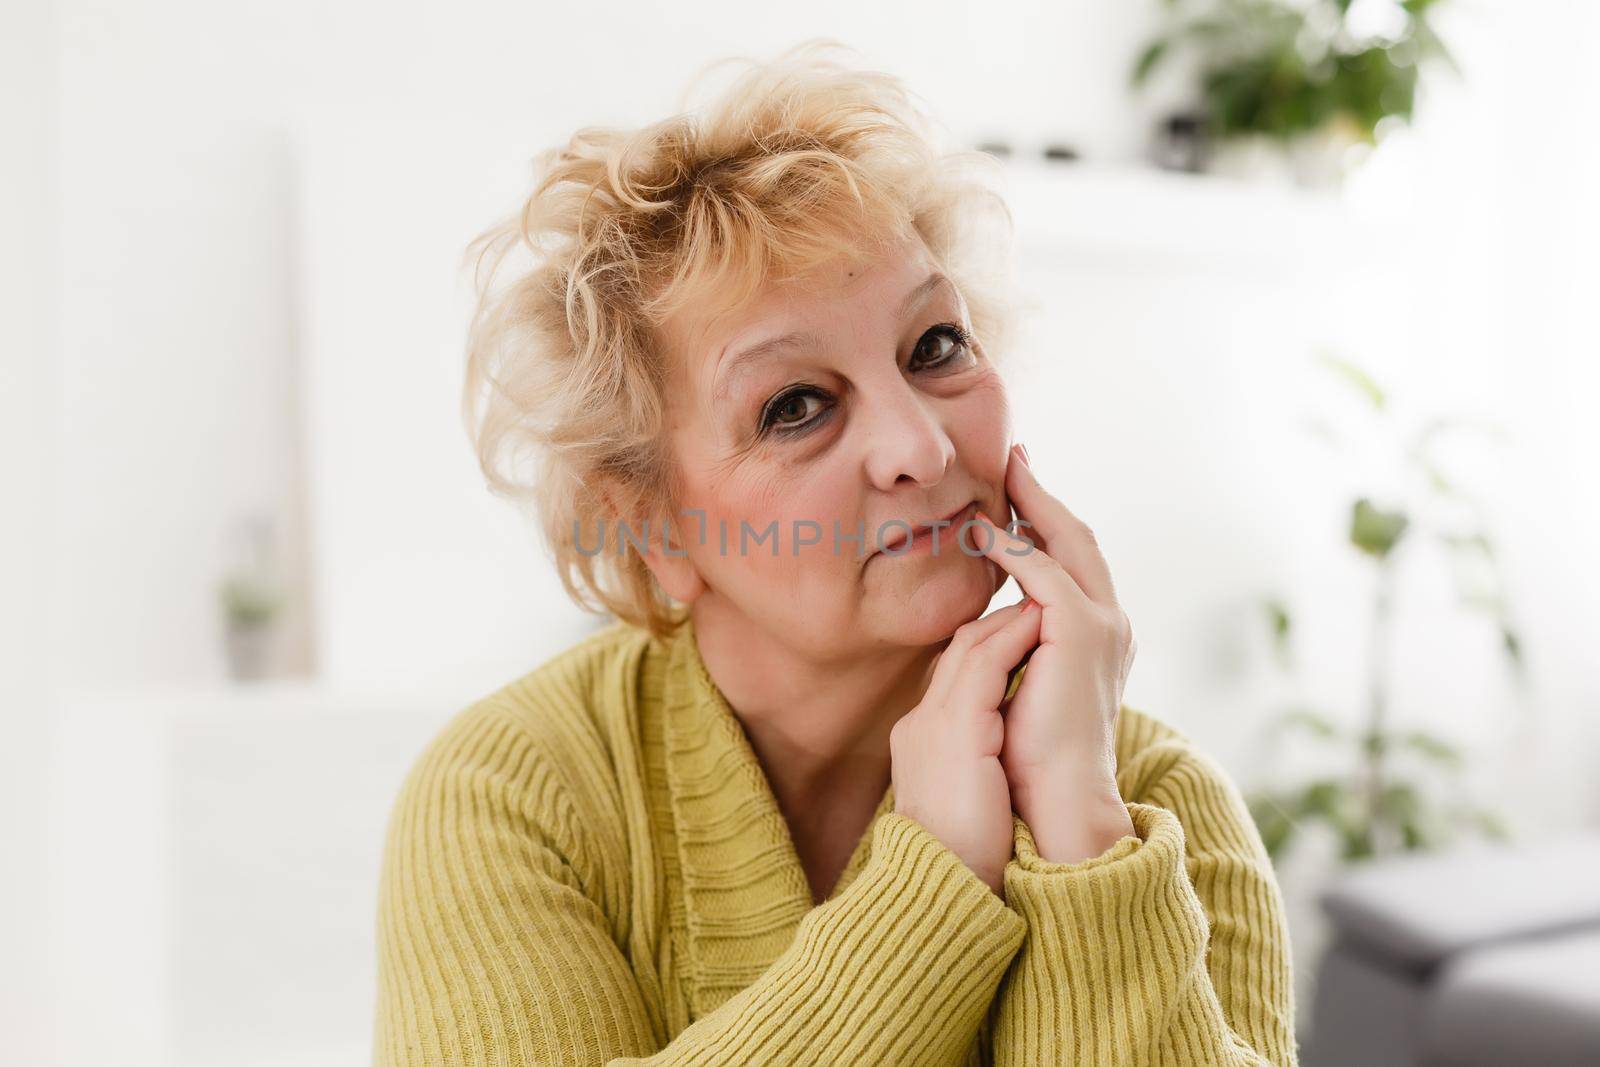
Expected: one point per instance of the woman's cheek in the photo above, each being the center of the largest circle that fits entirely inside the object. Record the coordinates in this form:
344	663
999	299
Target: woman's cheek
986	435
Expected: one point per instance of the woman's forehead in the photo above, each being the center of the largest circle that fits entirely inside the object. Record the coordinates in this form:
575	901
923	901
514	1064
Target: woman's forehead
782	311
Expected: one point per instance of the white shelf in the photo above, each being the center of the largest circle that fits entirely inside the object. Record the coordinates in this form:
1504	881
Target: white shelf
276	698
198	832
1150	219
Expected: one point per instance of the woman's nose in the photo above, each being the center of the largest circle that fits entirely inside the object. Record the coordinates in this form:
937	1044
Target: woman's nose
905	438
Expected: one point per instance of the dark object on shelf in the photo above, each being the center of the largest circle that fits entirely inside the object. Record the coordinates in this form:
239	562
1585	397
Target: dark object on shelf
1000	149
1061	152
1184	143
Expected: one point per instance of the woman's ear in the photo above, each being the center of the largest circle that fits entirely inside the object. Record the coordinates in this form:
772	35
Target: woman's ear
664	540
666	554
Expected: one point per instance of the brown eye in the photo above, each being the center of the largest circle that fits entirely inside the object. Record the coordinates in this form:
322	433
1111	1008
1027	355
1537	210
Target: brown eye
787	414
957	345
791	409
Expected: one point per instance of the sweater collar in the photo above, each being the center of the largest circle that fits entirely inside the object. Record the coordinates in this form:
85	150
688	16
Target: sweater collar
746	889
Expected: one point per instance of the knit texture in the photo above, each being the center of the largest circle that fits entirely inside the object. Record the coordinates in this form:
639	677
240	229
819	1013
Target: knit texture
590	867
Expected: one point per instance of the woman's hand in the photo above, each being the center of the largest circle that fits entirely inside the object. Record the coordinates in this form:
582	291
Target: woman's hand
1059	751
945	752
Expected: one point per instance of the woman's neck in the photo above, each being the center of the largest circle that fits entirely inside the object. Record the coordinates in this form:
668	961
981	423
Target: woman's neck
820	727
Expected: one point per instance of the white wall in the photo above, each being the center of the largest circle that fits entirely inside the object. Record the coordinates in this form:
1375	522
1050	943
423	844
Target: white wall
1490	292
29	346
180	386
184	121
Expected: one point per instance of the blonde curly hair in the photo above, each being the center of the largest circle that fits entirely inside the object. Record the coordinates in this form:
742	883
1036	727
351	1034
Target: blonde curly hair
800	160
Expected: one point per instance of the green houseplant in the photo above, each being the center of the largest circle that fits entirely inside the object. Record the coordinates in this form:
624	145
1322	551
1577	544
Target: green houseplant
251	604
252	598
1318	73
1391	795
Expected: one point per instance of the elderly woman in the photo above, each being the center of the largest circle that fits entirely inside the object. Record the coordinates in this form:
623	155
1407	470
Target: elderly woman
797	801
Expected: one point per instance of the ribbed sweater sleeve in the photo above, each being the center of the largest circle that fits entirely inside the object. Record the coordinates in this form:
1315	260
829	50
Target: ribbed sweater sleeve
1170	947
492	948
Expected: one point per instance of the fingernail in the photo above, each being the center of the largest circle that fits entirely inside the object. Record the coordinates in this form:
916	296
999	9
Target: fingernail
1022	451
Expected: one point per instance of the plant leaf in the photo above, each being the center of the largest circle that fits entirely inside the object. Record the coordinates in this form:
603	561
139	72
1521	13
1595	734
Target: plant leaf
1309	720
1279	626
1356	378
1276	825
1436	478
1327	797
1152	55
1374	742
1435	749
1490	824
1375	531
1512	643
1477	541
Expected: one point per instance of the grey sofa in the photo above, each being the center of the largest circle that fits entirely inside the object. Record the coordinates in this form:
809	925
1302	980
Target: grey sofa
1486	955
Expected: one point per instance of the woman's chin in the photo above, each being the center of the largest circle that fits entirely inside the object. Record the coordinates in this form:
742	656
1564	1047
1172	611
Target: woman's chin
939	599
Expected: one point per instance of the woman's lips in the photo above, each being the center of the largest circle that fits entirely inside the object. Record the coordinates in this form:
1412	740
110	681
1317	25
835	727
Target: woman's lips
922	535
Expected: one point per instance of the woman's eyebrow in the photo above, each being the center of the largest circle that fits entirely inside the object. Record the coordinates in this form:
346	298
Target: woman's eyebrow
915	298
733	366
730	367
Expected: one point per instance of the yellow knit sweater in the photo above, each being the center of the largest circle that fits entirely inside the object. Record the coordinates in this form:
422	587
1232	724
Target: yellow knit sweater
589	867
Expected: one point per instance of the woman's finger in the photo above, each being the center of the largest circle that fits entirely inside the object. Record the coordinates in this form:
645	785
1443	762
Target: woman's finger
986	667
1066	538
967	636
1040	576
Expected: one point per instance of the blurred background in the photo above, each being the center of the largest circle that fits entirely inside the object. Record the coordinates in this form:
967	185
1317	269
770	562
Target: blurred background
1311	344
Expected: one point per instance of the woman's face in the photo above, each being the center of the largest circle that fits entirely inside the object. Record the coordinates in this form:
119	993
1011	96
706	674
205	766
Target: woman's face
878	419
